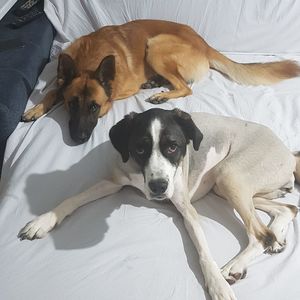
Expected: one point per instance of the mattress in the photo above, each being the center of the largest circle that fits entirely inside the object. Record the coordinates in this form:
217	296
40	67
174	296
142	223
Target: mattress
123	246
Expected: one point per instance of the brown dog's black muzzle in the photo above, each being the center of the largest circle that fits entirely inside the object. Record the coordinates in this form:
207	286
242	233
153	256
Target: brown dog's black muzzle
83	120
81	130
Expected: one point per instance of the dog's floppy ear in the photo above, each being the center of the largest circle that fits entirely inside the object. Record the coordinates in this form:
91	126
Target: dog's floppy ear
105	73
119	135
191	131
66	69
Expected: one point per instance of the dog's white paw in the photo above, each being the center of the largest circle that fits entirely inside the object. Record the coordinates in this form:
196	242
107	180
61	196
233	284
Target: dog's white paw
277	247
39	227
218	288
232	272
281	234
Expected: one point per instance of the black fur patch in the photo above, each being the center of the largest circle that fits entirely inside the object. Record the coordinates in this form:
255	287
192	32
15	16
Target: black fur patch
105	73
131	136
154	82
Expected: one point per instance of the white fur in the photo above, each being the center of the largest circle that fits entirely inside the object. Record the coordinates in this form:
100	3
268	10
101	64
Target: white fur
239	264
40	226
205	180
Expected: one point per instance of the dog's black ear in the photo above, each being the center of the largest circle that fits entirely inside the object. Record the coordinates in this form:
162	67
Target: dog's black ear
119	135
66	69
191	131
105	73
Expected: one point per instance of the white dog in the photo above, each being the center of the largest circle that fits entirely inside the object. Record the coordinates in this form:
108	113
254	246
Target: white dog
243	162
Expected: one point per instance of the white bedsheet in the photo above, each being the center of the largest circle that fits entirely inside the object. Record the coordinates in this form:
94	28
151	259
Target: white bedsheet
124	247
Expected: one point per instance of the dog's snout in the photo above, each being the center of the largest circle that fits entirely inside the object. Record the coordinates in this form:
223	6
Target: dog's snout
79	134
80	138
158	186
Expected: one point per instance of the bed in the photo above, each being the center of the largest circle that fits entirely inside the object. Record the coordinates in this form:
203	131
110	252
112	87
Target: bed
123	246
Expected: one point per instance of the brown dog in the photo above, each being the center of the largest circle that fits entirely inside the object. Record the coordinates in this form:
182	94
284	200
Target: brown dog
136	53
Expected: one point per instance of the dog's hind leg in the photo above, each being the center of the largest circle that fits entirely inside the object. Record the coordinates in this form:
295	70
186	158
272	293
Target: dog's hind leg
180	87
177	61
279	193
282	214
40	109
40	226
236	269
154	82
261	238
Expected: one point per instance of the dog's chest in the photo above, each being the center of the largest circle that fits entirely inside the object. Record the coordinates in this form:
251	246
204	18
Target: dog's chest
201	177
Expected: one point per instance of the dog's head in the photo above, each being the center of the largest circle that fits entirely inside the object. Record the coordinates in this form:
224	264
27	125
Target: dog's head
156	140
87	94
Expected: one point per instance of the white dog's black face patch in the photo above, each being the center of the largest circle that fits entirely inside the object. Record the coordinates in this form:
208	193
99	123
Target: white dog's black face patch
156	140
158	149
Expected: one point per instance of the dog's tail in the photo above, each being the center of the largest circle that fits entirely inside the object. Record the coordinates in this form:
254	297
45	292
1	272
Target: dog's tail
297	169
253	73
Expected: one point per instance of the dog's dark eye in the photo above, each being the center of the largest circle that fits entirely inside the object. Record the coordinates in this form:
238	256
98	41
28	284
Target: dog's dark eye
172	148
140	150
94	107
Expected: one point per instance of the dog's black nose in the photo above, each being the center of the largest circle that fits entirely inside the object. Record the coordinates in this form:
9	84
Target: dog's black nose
83	136
158	186
80	138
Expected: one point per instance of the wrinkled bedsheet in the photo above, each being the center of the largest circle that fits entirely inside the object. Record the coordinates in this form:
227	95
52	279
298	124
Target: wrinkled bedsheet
123	246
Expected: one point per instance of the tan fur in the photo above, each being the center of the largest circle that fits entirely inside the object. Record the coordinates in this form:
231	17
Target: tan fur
144	48
253	73
41	108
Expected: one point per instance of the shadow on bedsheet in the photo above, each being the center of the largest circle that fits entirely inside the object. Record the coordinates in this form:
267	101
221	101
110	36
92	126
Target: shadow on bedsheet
87	226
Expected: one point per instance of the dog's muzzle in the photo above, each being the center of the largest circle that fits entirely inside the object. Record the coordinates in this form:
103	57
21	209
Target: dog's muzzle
81	128
79	136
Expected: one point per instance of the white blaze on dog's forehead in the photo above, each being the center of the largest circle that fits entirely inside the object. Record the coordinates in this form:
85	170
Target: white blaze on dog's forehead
156	163
155	130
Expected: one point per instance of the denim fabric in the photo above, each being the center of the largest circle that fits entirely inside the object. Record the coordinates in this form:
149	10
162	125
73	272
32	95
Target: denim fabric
20	68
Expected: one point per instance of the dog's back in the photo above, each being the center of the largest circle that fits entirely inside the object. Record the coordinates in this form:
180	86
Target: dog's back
234	145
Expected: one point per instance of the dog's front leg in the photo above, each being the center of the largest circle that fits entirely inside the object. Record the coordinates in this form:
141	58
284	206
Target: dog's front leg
51	98
40	226
217	286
